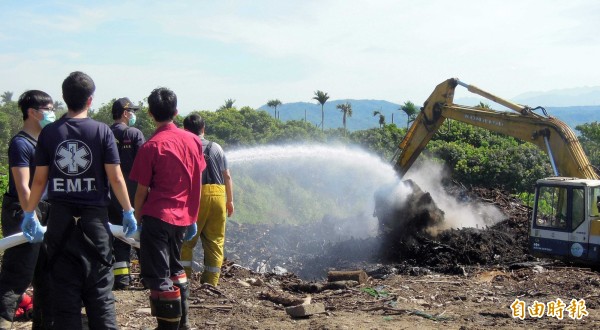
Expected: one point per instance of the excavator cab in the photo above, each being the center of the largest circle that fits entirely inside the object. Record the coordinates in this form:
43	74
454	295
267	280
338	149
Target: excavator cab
566	219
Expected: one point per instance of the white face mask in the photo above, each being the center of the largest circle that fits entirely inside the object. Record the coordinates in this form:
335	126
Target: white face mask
132	118
49	117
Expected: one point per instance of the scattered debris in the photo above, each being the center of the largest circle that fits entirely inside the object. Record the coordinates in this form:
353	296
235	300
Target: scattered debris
376	292
313	287
218	308
353	275
305	310
284	298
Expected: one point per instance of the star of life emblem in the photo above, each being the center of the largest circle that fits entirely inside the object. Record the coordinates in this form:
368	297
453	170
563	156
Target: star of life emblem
73	157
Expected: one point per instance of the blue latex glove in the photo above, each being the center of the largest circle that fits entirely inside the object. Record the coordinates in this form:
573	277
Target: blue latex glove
129	223
39	233
190	232
31	227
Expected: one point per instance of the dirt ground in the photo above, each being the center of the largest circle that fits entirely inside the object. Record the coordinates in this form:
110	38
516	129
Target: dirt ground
481	299
461	279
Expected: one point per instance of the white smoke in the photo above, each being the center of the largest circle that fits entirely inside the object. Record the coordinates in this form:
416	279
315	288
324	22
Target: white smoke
457	214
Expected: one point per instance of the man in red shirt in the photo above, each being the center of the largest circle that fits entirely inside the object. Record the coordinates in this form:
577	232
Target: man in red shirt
168	169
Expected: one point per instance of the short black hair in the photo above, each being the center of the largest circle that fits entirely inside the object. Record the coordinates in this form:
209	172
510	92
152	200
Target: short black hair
193	123
33	99
76	89
162	104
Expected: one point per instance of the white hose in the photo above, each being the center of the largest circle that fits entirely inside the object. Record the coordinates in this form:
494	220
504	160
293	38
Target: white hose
11	241
117	231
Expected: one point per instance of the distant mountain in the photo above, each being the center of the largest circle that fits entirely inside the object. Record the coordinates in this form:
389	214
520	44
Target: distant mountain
582	96
362	113
576	115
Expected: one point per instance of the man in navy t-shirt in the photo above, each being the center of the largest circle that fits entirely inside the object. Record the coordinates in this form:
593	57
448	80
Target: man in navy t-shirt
129	140
76	158
19	262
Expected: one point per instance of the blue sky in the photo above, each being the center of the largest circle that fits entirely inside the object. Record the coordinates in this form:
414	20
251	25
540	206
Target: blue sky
253	51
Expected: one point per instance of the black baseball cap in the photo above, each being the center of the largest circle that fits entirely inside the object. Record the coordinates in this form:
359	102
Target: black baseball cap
121	105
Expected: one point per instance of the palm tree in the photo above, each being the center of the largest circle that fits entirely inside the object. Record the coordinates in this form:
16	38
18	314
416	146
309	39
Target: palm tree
58	105
6	97
483	105
411	112
274	104
228	104
321	97
345	108
381	118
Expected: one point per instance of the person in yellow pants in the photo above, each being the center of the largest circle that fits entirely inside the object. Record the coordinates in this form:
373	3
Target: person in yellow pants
216	205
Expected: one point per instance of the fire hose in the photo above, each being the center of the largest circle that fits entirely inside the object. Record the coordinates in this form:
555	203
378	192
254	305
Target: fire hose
117	231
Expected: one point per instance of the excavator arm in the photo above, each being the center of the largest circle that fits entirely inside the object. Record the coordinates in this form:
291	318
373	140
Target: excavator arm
549	134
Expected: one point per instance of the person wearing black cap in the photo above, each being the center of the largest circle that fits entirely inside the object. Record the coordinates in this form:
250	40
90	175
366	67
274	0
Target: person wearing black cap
129	140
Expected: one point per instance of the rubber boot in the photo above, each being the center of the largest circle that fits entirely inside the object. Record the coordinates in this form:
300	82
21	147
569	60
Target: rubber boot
211	278
182	283
166	325
166	307
122	275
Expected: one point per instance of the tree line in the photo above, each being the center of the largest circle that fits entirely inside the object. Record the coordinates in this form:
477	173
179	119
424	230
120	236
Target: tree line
474	156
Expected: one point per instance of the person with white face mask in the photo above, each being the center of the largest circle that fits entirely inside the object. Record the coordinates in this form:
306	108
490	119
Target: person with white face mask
129	140
48	115
19	267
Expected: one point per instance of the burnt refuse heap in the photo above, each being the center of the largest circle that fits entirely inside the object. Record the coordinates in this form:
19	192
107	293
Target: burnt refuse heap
409	240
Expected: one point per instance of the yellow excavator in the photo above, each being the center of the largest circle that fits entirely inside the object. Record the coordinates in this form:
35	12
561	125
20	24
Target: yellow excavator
565	222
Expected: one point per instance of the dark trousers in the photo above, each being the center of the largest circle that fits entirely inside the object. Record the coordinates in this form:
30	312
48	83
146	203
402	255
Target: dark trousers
160	248
18	264
121	250
21	266
80	253
43	316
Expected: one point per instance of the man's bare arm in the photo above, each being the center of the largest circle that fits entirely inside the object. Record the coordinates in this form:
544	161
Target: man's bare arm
229	191
38	185
21	177
140	199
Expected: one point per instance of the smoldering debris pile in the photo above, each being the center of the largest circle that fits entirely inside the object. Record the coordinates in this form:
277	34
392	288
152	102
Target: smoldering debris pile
455	248
310	250
403	216
416	242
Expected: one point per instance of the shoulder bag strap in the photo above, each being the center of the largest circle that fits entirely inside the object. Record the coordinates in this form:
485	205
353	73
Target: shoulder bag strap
27	137
210	178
